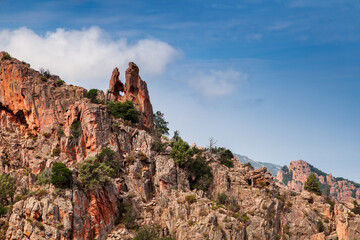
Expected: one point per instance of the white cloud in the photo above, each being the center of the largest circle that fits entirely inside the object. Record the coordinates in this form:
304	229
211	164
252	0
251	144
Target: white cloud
279	26
255	36
86	57
217	83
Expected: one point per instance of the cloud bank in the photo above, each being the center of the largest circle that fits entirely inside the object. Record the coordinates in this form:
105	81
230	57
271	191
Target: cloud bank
86	57
217	83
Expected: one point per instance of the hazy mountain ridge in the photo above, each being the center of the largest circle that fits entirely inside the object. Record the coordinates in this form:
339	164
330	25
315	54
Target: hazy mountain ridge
273	168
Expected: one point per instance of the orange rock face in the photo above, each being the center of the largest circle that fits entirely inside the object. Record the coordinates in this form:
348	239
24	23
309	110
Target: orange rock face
135	90
341	189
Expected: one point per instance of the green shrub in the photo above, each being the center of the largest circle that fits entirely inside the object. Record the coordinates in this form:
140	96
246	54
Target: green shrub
124	110
126	214
60	133
45	73
356	208
146	233
244	217
181	152
222	198
60	82
160	125
7	189
94	174
56	151
225	158
7	56
190	199
158	146
44	177
320	226
61	176
249	165
75	129
199	168
46	135
312	185
107	154
92	94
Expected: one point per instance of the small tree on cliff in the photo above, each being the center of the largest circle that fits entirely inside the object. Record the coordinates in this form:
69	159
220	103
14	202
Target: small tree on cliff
7	188
312	185
160	125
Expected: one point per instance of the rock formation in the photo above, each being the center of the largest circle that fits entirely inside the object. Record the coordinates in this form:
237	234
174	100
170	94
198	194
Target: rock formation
341	189
135	91
38	129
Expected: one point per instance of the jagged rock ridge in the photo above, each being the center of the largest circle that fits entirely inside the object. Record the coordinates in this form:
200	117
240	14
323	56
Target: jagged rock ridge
135	90
34	123
298	171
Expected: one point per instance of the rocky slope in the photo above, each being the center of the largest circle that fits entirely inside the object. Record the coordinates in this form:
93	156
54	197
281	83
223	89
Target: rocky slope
38	119
295	175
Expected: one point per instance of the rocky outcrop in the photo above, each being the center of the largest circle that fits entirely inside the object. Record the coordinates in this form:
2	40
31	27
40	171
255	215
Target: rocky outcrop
298	171
135	90
151	188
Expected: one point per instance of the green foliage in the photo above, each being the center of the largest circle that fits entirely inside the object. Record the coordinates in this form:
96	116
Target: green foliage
107	154
222	198
356	208
60	82
75	129
7	188
94	174
244	217
320	226
61	176
149	233
317	171
146	233
46	135
45	73
249	165
92	94
190	199
199	168
7	56
181	152
225	158
60	133
44	177
312	185
176	135
124	110
157	145
126	214
160	124
287	175
56	151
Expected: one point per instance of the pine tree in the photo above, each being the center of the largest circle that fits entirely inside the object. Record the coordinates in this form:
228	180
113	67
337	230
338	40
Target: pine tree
312	185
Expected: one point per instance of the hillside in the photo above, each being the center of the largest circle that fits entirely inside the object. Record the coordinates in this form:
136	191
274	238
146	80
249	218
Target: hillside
78	164
273	168
294	177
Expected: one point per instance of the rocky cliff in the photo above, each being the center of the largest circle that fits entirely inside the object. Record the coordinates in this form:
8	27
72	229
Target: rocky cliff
44	121
294	177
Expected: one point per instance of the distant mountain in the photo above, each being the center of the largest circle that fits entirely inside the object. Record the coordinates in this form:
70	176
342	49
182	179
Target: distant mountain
273	168
294	177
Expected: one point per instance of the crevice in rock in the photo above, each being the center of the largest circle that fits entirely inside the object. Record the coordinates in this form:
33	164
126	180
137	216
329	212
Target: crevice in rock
18	117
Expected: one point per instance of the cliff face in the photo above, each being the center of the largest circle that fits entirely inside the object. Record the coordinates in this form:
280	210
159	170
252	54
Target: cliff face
340	189
42	123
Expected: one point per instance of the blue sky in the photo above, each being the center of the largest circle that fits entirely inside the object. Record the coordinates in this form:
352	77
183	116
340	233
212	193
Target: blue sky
274	80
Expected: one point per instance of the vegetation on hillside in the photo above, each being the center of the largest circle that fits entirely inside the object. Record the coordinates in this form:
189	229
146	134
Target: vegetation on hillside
61	176
124	110
92	94
312	184
96	171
